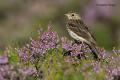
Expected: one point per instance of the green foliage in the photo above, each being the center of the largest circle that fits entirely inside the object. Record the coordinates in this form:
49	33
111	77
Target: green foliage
55	68
12	56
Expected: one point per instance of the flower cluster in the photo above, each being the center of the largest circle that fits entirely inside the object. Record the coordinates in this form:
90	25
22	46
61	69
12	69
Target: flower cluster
3	59
35	62
38	47
6	72
76	50
47	41
9	72
32	53
27	72
109	64
23	55
112	73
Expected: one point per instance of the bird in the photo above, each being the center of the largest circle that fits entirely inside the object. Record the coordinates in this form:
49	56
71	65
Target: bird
80	32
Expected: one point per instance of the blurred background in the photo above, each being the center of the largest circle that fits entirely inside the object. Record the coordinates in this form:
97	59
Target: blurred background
20	19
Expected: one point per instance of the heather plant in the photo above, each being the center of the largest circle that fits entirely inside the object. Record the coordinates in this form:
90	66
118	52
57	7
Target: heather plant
49	57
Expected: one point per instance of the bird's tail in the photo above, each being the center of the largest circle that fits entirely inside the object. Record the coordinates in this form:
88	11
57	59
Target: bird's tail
94	51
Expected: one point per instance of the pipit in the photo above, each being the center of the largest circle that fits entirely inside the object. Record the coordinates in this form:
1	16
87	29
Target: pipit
79	31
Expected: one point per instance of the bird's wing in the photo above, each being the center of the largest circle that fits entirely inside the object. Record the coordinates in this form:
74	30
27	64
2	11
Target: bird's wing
81	30
86	28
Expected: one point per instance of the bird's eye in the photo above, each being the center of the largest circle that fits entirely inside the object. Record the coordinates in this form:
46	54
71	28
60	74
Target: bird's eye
72	14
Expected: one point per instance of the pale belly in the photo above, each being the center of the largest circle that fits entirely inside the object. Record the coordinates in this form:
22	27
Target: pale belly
76	37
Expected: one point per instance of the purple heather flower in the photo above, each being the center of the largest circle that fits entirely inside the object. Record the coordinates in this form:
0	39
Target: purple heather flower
27	72
116	51
85	48
96	66
67	45
6	72
3	59
103	53
76	50
38	47
111	72
22	53
47	41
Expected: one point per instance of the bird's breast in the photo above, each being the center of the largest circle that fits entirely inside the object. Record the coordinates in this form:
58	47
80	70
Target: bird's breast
76	37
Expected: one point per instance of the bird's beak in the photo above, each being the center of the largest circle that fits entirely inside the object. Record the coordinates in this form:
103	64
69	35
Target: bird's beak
65	14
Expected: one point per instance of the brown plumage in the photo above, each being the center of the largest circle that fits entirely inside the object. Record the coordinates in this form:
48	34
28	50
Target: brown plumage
80	32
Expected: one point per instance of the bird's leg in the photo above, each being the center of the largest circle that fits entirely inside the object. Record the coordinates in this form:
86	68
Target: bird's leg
82	42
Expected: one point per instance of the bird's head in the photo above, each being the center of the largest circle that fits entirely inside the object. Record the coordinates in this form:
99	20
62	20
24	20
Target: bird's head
74	16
